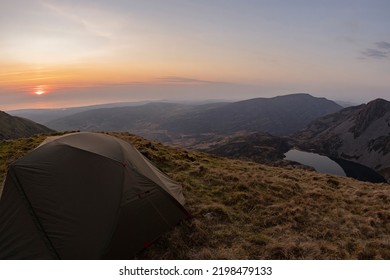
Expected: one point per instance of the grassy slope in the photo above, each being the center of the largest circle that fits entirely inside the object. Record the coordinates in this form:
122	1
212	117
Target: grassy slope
244	210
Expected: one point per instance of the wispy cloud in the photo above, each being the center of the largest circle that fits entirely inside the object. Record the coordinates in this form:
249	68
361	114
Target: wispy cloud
80	16
380	51
374	53
183	80
383	45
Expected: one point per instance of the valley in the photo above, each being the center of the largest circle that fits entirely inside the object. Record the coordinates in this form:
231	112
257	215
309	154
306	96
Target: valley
260	129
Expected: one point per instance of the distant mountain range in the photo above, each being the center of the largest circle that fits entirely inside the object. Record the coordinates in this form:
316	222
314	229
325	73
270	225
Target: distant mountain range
16	127
253	129
43	116
168	122
281	115
146	120
360	134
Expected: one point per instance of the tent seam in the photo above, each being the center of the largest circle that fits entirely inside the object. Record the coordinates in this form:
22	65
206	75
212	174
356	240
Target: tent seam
34	216
117	216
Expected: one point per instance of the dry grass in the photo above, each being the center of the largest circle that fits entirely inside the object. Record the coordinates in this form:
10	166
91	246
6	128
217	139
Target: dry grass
244	210
10	150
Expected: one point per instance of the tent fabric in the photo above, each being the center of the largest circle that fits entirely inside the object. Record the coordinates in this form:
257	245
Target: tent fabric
85	196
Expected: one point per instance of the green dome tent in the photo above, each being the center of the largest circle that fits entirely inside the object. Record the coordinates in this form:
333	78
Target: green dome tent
85	196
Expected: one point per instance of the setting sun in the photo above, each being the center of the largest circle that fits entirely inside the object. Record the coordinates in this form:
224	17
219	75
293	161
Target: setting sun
39	90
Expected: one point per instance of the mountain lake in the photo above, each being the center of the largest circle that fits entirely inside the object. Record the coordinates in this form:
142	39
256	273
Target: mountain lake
334	166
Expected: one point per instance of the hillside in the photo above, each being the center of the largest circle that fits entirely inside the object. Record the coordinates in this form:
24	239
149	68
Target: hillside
16	127
257	146
360	134
144	120
279	115
177	123
245	210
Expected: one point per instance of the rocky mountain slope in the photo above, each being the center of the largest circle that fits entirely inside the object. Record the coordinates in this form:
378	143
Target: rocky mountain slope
245	210
16	127
360	134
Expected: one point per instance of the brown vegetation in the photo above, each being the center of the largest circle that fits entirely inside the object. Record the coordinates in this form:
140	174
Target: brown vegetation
245	210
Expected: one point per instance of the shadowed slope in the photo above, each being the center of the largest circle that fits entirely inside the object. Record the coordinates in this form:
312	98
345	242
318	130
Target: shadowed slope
16	127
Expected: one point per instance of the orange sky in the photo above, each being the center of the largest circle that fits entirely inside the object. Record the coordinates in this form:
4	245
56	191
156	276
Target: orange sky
68	51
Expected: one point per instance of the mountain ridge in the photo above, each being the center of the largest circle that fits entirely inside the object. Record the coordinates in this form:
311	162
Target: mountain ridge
280	115
16	127
169	122
44	116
